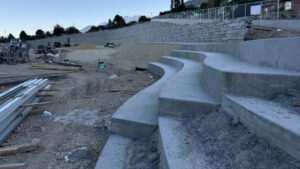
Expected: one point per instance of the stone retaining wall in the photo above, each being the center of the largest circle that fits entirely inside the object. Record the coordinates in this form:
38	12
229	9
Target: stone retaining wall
218	31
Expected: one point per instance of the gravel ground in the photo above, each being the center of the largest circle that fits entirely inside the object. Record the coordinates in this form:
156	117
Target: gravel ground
229	145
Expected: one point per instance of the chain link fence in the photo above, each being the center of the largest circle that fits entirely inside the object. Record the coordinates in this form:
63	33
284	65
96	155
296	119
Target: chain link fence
257	10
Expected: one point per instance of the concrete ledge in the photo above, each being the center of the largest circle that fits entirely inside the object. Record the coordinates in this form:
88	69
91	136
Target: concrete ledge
187	54
114	153
182	95
138	116
269	120
278	52
171	61
225	74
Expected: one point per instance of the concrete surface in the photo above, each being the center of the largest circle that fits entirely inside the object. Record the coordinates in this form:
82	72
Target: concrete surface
269	120
177	149
114	153
190	99
138	116
291	25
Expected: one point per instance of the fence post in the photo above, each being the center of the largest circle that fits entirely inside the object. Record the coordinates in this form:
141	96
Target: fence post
232	9
223	13
215	13
245	10
277	9
261	11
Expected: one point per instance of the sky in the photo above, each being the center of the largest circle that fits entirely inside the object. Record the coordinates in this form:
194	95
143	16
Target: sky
30	15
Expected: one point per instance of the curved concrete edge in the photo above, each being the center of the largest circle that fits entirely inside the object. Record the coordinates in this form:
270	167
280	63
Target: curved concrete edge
138	116
171	61
187	54
113	155
182	95
279	127
249	80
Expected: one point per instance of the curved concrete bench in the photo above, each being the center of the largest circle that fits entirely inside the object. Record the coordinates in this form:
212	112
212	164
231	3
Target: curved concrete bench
138	116
224	74
182	94
269	120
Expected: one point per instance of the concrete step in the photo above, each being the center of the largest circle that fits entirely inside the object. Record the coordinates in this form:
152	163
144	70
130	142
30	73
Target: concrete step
177	149
223	73
188	54
182	94
113	155
138	116
269	120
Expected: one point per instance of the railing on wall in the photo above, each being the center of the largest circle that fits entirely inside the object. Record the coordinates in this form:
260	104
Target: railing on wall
257	10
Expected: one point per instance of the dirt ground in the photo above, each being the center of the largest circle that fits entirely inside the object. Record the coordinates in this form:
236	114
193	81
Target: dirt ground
81	108
259	32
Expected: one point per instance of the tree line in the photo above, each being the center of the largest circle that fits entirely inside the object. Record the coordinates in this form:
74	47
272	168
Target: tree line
117	22
179	6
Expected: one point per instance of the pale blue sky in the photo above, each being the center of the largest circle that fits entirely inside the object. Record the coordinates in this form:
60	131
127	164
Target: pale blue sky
30	15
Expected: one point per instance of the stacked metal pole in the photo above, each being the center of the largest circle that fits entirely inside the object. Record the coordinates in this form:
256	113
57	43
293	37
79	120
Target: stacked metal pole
11	115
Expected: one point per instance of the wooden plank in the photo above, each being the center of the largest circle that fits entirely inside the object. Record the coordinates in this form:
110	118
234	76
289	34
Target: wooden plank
55	67
35	105
12	166
20	148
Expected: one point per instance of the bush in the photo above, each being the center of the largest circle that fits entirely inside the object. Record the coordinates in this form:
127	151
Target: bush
94	29
58	30
40	34
72	30
144	19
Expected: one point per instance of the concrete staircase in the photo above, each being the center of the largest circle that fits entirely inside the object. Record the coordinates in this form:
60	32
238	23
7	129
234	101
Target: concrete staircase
195	82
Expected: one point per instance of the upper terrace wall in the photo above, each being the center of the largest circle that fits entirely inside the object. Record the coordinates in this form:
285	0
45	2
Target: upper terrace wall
216	31
279	52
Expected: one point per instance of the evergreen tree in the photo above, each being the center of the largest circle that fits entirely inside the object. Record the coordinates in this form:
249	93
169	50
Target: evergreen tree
40	34
10	37
23	36
58	30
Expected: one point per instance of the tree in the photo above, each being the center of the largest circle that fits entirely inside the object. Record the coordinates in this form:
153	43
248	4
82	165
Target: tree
40	34
144	19
72	30
3	39
94	29
23	36
119	22
58	30
10	37
48	34
177	5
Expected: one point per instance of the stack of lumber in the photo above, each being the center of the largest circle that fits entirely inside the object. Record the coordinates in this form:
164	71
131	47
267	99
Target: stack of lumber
12	101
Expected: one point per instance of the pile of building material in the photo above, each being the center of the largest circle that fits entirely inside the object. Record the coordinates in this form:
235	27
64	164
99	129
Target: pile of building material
13	103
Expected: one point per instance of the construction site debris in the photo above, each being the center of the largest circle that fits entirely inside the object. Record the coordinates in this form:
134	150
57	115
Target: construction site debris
12	166
46	113
11	112
35	104
56	67
85	46
20	148
140	69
